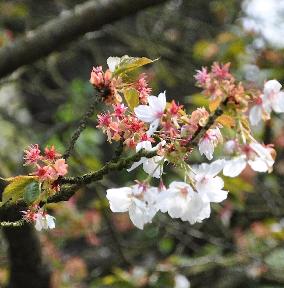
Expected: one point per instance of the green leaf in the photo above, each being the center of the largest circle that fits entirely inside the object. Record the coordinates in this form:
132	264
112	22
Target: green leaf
126	64
166	245
15	189
131	96
31	192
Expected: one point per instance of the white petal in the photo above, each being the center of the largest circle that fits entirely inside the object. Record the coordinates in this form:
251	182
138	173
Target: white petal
205	169
278	103
153	166
112	62
145	113
50	221
218	196
136	164
138	216
158	103
147	145
39	223
258	165
119	199
153	127
262	153
235	166
272	86
176	207
215	167
181	281
206	147
255	114
210	189
196	210
162	100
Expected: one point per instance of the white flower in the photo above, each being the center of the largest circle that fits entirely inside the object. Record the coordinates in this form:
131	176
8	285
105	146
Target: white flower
138	200
210	140
181	281
44	221
262	161
256	155
113	62
208	184
153	112
151	166
235	166
272	99
180	201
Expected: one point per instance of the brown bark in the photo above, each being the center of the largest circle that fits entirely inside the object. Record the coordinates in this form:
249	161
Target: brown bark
87	17
26	266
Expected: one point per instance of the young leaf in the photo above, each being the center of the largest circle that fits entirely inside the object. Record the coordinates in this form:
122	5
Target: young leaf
214	104
15	189
126	64
31	192
226	121
131	96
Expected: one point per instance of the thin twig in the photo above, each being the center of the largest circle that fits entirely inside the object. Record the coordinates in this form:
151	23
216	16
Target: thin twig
12	224
81	127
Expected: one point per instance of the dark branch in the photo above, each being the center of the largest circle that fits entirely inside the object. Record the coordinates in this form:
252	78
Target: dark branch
114	165
81	127
87	17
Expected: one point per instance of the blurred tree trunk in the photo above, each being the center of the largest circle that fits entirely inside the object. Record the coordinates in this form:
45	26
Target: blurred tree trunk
26	266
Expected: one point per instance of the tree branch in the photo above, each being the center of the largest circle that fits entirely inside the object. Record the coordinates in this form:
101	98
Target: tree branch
81	127
26	265
87	17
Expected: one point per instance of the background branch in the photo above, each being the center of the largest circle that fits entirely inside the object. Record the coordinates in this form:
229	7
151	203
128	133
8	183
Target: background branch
87	17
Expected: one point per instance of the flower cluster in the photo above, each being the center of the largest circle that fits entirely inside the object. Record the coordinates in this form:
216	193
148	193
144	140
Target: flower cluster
118	125
38	216
151	123
189	201
168	134
110	84
49	166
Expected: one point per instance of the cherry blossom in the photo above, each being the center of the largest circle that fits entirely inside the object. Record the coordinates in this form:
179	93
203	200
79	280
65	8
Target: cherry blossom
207	183
113	62
44	221
202	76
143	89
181	201
256	155
138	200
32	154
152	166
181	281
153	112
60	167
39	217
272	99
210	140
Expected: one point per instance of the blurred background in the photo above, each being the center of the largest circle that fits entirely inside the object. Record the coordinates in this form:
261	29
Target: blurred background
241	245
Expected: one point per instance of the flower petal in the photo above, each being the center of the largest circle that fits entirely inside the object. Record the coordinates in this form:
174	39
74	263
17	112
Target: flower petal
255	114
119	199
145	113
235	166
